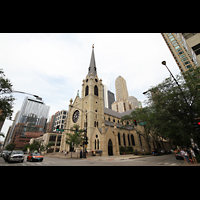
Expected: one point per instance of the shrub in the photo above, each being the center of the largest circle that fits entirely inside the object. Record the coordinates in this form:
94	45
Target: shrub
198	157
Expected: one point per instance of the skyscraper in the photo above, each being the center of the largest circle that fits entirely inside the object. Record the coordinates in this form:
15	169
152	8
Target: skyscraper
184	56
193	41
121	89
108	97
32	111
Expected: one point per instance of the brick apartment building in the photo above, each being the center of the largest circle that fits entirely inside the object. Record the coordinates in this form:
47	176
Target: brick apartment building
24	132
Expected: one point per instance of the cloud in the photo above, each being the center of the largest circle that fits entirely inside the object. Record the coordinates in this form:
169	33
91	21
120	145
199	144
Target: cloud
54	65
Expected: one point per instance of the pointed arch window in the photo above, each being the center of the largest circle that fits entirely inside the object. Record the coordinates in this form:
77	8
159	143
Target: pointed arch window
95	90
124	140
86	90
132	140
129	140
119	139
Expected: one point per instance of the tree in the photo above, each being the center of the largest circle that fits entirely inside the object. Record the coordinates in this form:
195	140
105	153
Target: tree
35	146
6	102
75	138
143	115
168	115
10	146
175	117
25	147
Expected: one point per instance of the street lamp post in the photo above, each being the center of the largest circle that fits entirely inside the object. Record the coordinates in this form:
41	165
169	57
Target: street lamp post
189	108
37	97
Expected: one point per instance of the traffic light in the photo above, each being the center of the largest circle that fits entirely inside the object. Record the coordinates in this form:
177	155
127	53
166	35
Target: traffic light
196	124
86	140
135	122
76	131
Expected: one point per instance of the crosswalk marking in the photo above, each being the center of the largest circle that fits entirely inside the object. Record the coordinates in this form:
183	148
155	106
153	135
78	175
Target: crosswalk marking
39	163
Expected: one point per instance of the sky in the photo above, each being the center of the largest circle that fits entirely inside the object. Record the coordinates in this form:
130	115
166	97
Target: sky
53	65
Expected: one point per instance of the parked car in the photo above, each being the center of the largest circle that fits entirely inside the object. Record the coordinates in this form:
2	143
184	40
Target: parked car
4	152
162	152
14	156
178	156
156	152
35	157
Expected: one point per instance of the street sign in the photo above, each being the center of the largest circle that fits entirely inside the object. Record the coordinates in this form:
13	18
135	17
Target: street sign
61	130
142	123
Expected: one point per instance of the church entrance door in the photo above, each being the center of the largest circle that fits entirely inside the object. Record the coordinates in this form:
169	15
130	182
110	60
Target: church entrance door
110	148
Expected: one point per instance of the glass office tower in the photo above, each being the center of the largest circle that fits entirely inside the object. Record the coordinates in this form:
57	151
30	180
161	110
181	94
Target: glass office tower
33	111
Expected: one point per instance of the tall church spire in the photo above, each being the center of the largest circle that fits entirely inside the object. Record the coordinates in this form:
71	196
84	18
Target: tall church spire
92	68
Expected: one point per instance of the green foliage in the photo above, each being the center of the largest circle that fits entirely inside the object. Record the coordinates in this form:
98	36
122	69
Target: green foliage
167	114
35	146
25	147
125	149
10	146
75	138
198	158
6	102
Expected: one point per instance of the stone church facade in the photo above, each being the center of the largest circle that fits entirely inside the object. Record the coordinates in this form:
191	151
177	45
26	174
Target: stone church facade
103	124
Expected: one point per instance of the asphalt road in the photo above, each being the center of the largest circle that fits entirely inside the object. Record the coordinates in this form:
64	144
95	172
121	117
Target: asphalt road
164	160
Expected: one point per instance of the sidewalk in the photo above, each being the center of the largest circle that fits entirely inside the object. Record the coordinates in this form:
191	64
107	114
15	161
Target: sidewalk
187	164
74	156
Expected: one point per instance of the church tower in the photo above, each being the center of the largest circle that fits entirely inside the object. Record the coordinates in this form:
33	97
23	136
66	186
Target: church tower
92	100
89	107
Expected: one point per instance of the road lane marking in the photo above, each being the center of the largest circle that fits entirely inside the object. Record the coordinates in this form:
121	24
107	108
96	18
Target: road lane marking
39	163
173	164
47	163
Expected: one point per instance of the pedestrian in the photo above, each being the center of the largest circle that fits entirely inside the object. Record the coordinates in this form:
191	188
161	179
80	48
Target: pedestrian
193	156
65	153
183	155
187	156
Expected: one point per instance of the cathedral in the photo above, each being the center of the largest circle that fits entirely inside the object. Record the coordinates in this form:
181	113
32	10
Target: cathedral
103	124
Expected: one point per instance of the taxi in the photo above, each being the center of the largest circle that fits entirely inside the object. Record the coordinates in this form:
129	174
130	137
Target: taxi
35	157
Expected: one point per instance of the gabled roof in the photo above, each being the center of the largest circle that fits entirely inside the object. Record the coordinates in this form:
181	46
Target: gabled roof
116	114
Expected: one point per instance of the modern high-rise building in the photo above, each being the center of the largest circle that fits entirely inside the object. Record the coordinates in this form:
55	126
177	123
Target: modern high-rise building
121	89
183	54
60	118
33	111
108	97
124	102
111	98
133	100
193	41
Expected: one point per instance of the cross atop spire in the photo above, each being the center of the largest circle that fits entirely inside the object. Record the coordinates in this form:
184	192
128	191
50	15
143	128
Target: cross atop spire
92	68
